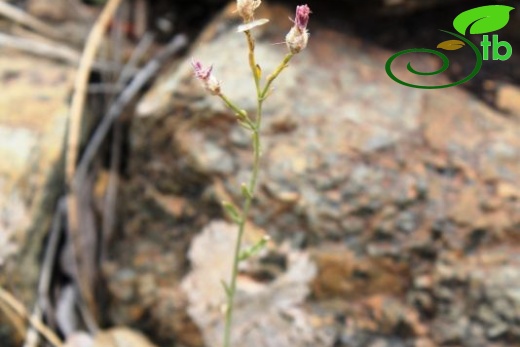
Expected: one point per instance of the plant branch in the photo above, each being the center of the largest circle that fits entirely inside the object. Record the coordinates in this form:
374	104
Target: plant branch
272	77
23	18
240	113
73	141
255	69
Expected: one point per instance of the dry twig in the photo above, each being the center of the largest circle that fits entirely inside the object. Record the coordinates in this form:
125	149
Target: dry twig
53	51
43	303
18	307
140	80
23	18
111	192
78	99
76	109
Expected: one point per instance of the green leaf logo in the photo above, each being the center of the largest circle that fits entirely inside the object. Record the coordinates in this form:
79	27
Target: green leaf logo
451	45
482	20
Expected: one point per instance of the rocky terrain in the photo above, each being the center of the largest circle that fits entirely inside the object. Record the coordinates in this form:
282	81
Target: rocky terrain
394	212
405	199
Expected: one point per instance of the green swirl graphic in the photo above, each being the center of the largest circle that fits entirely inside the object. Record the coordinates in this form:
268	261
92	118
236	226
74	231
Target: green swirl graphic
444	67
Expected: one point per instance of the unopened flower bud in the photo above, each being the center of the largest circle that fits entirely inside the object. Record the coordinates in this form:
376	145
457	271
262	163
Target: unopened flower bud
302	16
246	8
205	76
298	36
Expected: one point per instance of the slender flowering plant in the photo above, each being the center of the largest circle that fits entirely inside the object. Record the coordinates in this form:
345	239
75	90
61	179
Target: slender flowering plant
296	40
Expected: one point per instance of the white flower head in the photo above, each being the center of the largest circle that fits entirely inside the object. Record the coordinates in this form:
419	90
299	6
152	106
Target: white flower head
246	8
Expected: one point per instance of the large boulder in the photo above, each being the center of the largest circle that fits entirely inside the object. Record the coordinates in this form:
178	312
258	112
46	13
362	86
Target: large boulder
401	195
33	117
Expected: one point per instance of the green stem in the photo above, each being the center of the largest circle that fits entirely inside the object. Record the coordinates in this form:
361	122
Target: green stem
252	62
232	106
255	128
241	114
241	229
272	77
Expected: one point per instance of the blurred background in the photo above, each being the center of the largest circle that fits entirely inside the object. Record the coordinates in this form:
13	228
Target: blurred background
394	212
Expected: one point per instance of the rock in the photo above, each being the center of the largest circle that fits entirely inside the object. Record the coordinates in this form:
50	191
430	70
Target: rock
79	339
115	337
408	185
121	337
33	117
214	159
507	99
483	286
273	308
51	10
342	274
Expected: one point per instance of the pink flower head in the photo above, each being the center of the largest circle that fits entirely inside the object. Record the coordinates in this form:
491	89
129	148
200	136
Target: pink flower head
298	36
200	72
302	16
205	76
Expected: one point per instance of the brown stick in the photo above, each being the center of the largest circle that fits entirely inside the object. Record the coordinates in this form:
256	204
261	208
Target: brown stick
141	78
53	51
27	20
76	109
43	302
78	100
19	309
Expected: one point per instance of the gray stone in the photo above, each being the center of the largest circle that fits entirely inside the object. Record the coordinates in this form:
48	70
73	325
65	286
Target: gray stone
33	118
396	175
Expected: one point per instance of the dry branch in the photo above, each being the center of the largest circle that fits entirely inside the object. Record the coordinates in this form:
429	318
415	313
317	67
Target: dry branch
19	309
76	110
25	19
53	51
138	82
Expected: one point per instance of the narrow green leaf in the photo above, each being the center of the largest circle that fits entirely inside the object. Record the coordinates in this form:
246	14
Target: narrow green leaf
245	191
267	94
242	115
232	212
482	20
243	255
245	125
250	251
